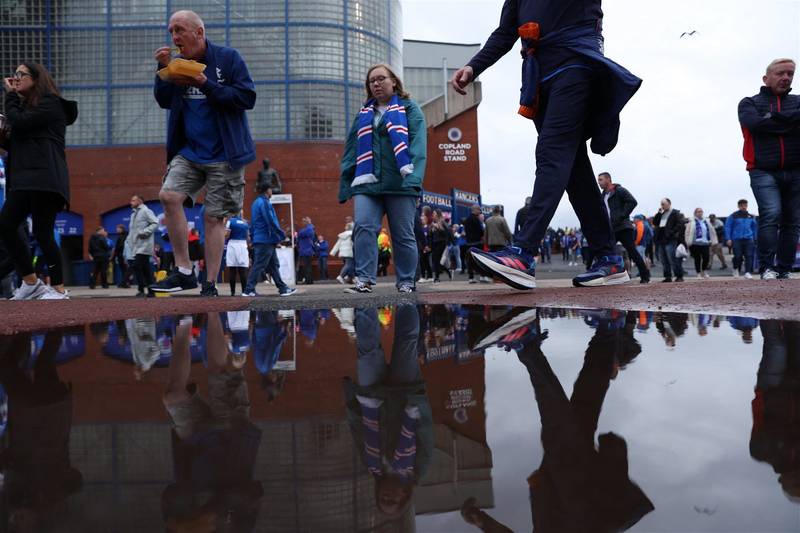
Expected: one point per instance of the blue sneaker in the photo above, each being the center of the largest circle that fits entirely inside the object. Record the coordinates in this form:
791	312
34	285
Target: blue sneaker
511	265
606	270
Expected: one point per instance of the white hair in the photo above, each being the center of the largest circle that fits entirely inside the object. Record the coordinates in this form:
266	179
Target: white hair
191	17
779	62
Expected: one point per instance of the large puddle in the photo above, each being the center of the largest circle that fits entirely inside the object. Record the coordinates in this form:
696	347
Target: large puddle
404	419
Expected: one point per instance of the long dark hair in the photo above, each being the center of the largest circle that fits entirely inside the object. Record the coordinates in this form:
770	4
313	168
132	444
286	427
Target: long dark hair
43	83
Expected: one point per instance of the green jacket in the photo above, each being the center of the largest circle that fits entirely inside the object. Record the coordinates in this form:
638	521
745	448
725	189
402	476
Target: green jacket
385	166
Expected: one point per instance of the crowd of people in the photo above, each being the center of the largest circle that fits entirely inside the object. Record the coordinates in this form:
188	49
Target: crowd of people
382	171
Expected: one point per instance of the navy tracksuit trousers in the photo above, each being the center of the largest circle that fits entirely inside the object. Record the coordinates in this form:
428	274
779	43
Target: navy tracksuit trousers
562	163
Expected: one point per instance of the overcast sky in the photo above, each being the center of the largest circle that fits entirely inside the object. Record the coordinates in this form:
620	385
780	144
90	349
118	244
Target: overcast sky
680	134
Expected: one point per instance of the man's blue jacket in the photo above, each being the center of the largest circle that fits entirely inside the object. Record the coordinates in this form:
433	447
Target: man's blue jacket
741	225
229	90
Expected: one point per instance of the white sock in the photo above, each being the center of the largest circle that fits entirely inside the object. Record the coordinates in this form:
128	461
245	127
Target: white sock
185	271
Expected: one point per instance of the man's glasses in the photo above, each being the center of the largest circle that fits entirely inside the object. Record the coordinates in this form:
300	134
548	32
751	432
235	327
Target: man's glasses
18	75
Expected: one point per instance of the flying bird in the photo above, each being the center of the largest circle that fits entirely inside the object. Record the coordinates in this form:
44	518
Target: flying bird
688	33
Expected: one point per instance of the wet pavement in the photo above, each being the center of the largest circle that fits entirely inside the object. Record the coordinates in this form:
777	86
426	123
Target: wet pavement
404	418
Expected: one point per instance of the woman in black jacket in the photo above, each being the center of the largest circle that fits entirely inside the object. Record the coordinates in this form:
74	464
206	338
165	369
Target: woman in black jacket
440	236
37	181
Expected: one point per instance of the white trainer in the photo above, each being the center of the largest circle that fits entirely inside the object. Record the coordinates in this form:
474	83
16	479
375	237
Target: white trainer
30	292
52	294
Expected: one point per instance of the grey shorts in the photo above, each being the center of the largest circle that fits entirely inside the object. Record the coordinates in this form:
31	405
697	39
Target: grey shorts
228	405
224	185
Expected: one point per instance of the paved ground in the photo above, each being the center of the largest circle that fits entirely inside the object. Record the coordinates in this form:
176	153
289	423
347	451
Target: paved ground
721	294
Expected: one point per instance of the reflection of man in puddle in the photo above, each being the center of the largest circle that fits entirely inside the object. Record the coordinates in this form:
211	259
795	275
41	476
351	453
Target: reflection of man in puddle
36	465
141	334
775	438
269	336
671	326
214	443
579	487
389	412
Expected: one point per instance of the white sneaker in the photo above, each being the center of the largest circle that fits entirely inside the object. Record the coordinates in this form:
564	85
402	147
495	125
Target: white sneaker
748	275
52	294
30	292
735	273
340	279
484	279
251	294
700	275
769	275
706	275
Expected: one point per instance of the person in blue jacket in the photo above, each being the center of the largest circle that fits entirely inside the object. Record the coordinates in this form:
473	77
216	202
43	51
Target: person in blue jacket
306	238
208	145
741	232
322	248
265	234
572	93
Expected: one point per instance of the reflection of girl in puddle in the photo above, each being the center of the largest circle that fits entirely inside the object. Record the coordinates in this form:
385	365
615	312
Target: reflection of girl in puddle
579	487
775	438
39	476
214	443
389	412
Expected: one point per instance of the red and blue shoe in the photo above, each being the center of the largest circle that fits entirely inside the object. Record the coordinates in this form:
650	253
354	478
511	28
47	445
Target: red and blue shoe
512	332
606	270
511	265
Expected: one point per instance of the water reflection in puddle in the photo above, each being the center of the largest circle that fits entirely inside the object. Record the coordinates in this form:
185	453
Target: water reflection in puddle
433	418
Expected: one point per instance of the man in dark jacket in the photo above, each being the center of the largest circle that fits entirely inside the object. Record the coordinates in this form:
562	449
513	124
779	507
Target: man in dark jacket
208	145
620	203
572	92
741	231
669	224
770	123
473	230
118	256
99	253
522	216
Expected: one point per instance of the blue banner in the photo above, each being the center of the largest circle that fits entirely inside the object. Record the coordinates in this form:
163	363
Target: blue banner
2	181
69	224
463	202
122	215
438	201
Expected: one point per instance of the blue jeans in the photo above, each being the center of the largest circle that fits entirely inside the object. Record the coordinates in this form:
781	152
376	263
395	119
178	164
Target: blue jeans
369	211
265	259
778	198
669	261
323	267
404	366
743	250
348	270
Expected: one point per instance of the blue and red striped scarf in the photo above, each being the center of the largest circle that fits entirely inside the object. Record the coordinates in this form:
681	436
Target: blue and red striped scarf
397	124
404	456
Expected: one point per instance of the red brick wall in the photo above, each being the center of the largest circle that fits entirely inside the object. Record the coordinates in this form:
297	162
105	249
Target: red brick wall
105	178
441	175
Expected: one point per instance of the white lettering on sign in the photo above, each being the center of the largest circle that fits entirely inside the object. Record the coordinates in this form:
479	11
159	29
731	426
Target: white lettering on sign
455	152
460	399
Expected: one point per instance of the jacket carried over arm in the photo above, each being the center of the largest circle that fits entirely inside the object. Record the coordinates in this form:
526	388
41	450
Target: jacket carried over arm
390	181
230	91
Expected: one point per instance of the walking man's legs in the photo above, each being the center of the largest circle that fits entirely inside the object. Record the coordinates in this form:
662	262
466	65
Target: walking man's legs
626	237
562	164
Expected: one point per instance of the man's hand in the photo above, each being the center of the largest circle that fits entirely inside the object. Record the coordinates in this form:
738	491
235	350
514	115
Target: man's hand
162	55
194	81
729	243
461	79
